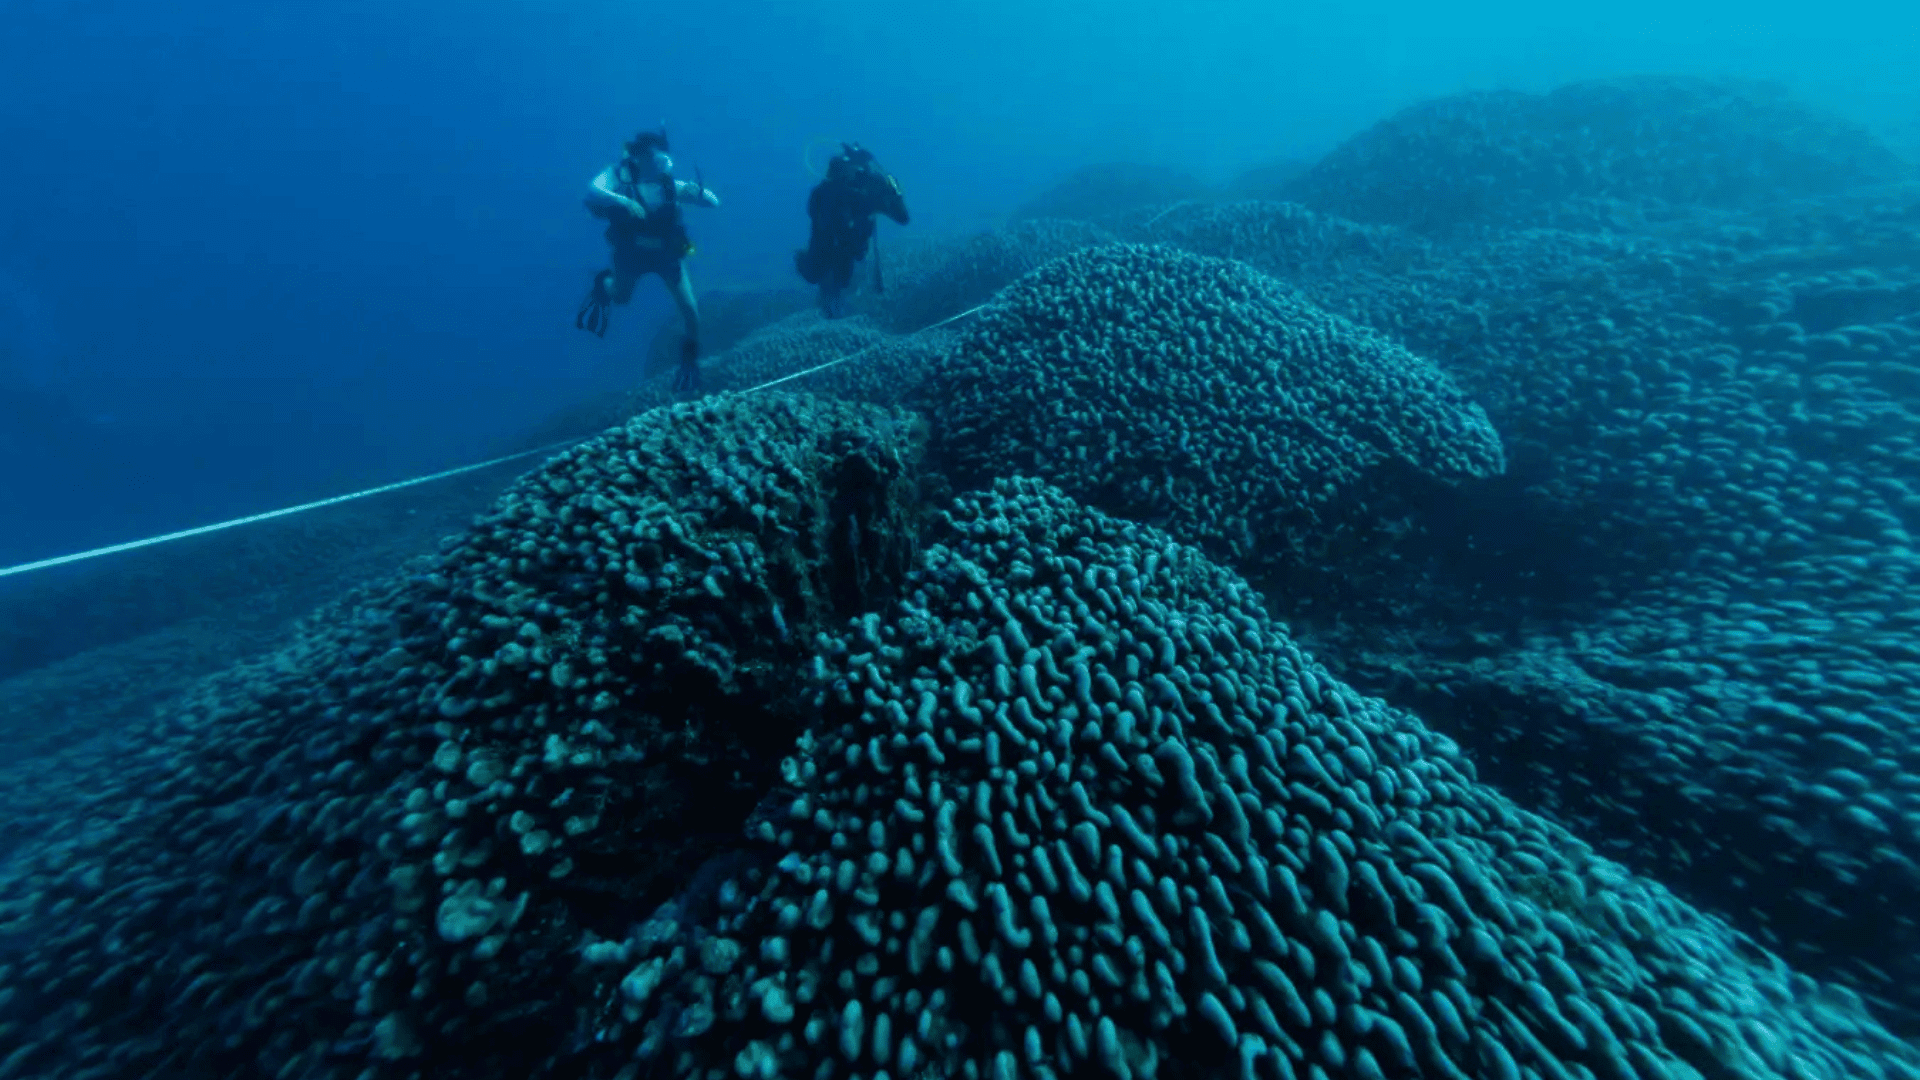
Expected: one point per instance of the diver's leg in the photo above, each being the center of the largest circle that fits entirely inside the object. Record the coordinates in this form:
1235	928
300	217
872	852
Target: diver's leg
621	280
680	284
839	276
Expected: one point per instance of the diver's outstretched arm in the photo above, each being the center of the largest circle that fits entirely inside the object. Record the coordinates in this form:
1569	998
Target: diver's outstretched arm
886	198
689	191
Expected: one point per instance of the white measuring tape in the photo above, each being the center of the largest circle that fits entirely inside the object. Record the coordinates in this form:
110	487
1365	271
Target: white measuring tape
254	519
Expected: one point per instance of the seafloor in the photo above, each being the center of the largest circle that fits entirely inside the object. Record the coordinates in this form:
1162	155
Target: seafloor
1444	611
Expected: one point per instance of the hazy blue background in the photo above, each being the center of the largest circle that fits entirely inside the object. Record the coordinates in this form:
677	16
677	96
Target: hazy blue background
258	252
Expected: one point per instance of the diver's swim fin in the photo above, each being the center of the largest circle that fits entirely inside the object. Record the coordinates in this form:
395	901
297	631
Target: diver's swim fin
687	378
592	316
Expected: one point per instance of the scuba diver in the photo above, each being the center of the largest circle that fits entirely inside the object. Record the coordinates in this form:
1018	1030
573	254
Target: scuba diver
640	201
842	208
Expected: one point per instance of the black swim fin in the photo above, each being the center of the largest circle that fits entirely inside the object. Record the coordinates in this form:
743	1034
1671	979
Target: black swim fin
686	380
592	316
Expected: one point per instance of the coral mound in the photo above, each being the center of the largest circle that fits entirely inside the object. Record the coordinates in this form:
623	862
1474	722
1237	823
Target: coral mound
1079	807
1509	158
1098	192
1194	393
383	844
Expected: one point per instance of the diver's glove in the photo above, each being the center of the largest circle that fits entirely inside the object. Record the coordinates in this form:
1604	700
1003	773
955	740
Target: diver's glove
687	378
593	311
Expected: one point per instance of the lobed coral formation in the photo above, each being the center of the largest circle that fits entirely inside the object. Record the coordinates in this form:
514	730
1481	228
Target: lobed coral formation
868	364
378	845
1078	807
1722	459
1060	797
1190	392
1680	623
1108	190
930	280
1509	158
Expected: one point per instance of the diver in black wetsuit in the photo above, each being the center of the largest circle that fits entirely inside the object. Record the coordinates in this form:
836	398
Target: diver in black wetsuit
640	201
842	208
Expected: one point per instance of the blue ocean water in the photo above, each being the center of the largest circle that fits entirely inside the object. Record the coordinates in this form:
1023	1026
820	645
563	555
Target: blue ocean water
252	254
1359	540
